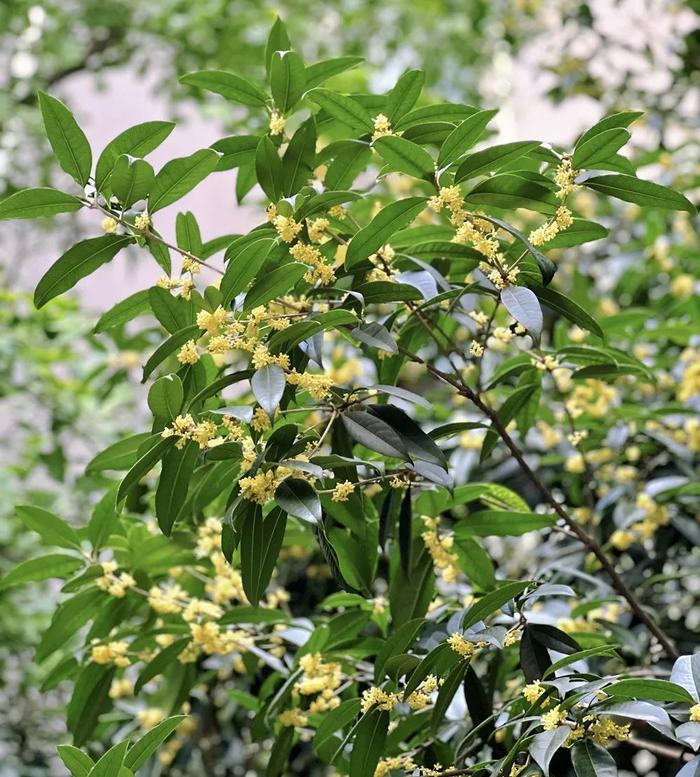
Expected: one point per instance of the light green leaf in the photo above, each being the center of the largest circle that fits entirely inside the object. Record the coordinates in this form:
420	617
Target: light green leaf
319	72
463	137
76	761
111	762
124	311
631	189
622	119
165	397
144	464
580	232
228	85
52	529
501	523
656	690
180	176
389	220
243	265
66	138
405	157
37	203
136	141
235	150
78	262
287	79
599	148
131	179
404	95
343	108
118	456
54	565
492	159
137	755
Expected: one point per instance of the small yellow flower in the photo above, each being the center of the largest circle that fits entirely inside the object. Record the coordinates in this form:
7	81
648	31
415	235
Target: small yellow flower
695	713
142	222
109	225
277	123
188	354
342	491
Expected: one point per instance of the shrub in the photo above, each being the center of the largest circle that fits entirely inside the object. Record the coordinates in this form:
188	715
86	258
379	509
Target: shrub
417	503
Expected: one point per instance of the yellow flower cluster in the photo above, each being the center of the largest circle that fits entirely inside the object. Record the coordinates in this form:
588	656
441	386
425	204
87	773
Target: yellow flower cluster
185	428
316	229
260	488
142	222
287	228
553	718
185	285
116	584
208	538
421	697
111	653
319	679
293	717
150	717
533	691
120	688
605	729
109	225
440	549
308	254
167	599
382	126
188	353
655	516
548	231
213	641
376	697
381	261
212	322
689	384
318	386
342	491
695	713
593	397
227	583
277	123
463	647
388	765
564	178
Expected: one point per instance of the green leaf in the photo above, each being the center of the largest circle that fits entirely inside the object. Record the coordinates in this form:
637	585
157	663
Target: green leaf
268	169
274	284
333	721
622	119
389	220
124	311
104	520
277	40
569	309
347	164
592	760
345	109
499	523
235	151
169	347
243	266
53	565
171	494
416	442
67	140
136	141
144	464
435	657
376	336
179	176
52	529
580	655
492	601
165	397
89	700
506	413
507	190
656	690
160	662
368	744
111	762
631	189
131	179
228	85
405	157
76	761
174	313
374	434
36	203
580	232
404	95
545	744
118	456
463	137
298	161
492	159
599	148
261	540
268	384
475	562
78	262
525	308
150	742
298	498
287	79
448	689
319	72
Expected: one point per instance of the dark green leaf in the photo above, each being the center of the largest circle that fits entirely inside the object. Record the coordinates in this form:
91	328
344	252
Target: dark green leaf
463	137
319	72
374	434
57	565
180	176
268	169
545	744
78	262
131	179
76	761
657	690
493	159
343	108
66	138
405	157
124	311
404	95
228	85
569	309
492	602
178	466
599	148
169	347
631	189
496	523
274	284
118	456
35	203
591	760
507	190
136	142
287	79
165	397
261	540
110	764
298	498
52	529
150	742
368	744
144	464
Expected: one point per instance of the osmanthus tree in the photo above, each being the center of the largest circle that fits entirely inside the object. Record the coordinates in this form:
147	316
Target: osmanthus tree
404	507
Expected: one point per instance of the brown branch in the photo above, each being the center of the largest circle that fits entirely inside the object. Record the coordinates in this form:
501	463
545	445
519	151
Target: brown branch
589	542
